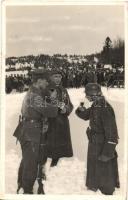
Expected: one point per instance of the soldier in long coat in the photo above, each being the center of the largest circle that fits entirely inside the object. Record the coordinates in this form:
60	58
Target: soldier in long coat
102	168
59	137
35	114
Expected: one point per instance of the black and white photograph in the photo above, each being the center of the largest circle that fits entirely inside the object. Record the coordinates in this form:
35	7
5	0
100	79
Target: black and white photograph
65	101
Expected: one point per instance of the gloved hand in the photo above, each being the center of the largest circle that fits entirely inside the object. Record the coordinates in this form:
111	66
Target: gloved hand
104	158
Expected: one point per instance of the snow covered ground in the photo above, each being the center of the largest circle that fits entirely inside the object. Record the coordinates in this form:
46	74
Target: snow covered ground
69	175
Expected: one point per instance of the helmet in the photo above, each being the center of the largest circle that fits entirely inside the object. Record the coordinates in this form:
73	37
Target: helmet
93	89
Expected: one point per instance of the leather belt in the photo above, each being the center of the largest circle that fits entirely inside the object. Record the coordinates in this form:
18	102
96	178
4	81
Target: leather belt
31	120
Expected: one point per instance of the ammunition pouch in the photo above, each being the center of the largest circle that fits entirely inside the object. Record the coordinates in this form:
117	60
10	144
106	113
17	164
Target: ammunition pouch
25	123
94	137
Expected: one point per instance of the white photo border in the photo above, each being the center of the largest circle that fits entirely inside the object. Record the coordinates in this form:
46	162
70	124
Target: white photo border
5	3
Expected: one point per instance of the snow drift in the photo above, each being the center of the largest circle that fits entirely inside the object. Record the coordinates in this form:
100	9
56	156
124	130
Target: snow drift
69	175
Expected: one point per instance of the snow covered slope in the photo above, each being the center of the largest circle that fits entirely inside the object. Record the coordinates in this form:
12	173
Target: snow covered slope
69	175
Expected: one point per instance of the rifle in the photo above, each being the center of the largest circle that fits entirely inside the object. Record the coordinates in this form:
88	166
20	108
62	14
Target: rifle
42	157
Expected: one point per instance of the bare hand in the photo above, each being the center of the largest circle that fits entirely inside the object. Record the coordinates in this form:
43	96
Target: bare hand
61	105
63	111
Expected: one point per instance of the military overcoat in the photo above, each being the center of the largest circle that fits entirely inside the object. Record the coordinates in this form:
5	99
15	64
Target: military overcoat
34	110
103	137
59	137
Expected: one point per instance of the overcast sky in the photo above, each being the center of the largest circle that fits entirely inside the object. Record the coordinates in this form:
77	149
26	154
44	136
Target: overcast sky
61	29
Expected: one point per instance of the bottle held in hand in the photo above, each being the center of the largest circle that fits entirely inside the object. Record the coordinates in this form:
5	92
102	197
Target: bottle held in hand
81	104
81	107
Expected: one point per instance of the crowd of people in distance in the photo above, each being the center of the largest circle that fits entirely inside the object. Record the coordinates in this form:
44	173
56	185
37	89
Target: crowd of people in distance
74	76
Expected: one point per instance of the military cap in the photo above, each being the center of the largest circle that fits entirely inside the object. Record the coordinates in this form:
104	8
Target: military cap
93	89
40	74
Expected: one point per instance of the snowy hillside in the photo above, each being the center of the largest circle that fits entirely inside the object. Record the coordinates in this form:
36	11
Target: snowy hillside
69	175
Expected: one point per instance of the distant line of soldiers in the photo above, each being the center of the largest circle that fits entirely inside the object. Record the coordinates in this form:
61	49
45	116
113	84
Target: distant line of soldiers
17	82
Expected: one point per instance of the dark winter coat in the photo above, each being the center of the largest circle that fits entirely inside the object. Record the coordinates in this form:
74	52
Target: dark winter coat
103	137
59	139
32	132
